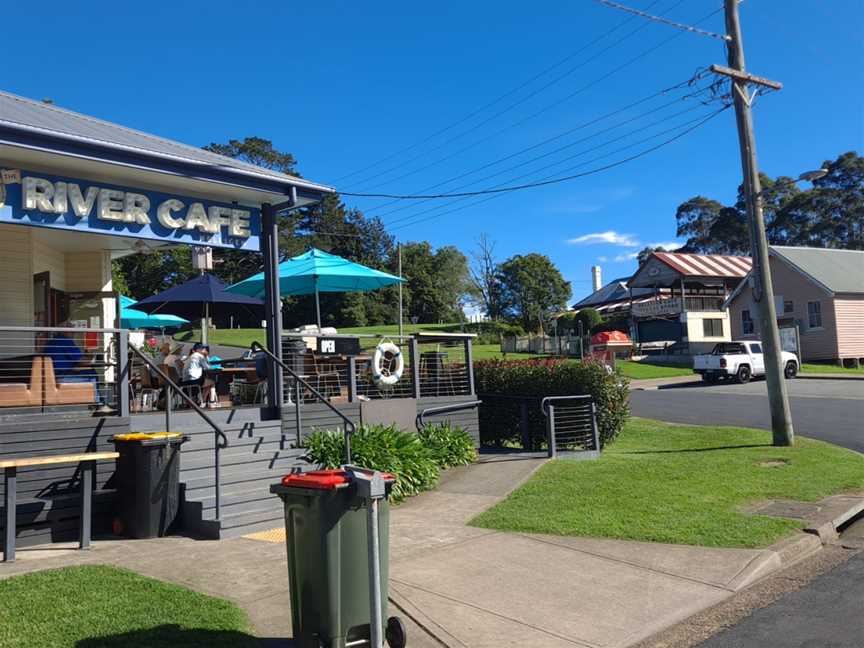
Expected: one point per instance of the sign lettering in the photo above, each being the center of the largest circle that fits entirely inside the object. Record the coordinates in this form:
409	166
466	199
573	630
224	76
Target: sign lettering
78	205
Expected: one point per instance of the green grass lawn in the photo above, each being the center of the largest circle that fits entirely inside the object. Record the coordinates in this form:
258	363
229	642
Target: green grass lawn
644	370
678	484
829	368
106	607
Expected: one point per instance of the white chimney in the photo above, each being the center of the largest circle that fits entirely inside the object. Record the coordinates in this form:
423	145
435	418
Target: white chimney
596	280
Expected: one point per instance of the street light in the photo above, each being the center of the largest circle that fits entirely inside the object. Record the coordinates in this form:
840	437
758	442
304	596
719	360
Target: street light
807	176
810	176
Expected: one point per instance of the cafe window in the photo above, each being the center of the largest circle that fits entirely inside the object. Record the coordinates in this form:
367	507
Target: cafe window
747	327
814	315
712	327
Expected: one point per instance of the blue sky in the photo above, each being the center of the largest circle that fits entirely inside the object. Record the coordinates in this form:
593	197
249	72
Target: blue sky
343	85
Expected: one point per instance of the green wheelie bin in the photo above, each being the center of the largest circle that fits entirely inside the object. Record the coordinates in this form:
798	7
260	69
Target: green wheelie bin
332	556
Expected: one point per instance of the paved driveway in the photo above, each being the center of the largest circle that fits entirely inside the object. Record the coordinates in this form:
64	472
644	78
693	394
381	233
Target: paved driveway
831	410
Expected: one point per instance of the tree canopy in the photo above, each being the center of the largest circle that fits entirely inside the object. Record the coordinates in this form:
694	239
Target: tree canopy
830	214
533	288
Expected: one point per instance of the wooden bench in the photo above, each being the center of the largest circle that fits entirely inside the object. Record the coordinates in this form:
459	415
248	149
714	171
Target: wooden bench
10	468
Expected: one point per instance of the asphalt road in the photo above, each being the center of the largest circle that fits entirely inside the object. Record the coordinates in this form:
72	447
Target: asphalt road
828	613
830	410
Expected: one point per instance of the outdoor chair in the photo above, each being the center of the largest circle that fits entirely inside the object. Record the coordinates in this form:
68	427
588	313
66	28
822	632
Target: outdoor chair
326	376
148	390
192	391
66	393
21	394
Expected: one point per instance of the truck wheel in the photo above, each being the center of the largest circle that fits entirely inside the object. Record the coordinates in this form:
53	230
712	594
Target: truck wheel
743	375
791	369
395	633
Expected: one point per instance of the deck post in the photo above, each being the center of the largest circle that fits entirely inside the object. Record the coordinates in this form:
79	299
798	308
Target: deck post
550	432
123	378
10	476
523	425
414	357
272	311
352	379
469	364
87	470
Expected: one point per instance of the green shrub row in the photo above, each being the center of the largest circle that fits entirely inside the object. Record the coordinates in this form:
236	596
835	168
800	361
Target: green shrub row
500	418
415	459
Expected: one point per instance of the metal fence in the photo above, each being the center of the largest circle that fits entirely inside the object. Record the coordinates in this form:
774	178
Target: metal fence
62	371
560	345
571	427
432	365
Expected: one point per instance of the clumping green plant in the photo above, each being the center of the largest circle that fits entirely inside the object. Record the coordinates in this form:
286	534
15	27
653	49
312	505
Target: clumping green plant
415	459
450	445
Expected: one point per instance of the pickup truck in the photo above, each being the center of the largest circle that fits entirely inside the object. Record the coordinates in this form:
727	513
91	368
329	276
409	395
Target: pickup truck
739	360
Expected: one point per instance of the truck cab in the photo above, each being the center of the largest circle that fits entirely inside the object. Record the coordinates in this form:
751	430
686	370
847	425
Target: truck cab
741	360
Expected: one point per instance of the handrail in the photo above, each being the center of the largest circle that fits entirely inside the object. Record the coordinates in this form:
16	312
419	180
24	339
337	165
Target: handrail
220	441
546	399
443	409
350	428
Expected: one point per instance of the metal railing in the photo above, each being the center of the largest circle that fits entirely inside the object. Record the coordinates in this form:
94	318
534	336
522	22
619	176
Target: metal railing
420	421
220	440
434	365
299	381
571	428
63	371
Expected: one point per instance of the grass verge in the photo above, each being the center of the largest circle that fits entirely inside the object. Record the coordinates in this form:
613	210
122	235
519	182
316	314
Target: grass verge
106	607
678	484
830	368
646	370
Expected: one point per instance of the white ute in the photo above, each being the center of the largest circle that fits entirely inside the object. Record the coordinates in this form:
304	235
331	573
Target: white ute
739	360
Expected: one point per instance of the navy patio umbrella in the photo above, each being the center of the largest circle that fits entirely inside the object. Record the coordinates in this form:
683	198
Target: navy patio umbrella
196	298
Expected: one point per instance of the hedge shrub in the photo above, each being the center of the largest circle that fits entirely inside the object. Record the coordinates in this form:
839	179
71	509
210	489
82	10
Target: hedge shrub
500	417
415	459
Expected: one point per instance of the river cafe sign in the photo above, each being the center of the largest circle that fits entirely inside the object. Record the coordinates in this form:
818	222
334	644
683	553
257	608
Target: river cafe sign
62	203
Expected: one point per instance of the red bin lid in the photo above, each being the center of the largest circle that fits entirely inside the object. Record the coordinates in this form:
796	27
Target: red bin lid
317	479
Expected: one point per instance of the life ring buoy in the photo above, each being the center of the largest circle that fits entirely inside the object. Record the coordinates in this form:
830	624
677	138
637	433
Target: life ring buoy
383	371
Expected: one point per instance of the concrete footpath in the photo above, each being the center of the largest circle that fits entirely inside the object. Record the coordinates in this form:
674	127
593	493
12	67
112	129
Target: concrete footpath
464	586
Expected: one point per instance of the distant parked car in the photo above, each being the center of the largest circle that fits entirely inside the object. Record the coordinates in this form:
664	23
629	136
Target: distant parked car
739	360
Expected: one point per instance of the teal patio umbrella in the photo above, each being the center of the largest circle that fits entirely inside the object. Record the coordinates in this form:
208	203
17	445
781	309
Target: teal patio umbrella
314	272
136	319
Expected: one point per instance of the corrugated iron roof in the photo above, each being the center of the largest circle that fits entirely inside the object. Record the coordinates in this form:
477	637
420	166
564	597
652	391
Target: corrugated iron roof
36	116
840	271
706	265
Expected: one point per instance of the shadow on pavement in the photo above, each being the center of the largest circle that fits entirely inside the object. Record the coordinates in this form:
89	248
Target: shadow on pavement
173	636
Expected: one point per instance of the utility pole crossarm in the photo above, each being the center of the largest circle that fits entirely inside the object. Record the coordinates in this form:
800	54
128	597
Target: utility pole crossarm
746	77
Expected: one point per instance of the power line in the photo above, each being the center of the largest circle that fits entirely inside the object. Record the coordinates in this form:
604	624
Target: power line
549	140
575	155
665	21
489	191
500	192
413	218
514	105
495	101
539	112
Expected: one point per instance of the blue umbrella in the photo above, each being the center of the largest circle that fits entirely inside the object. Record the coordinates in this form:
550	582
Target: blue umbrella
194	299
132	318
316	271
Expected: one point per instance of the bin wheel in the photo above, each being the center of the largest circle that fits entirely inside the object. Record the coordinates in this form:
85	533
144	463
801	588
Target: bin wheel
395	633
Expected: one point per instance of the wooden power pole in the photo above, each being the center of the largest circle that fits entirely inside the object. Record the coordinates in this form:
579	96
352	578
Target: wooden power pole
761	283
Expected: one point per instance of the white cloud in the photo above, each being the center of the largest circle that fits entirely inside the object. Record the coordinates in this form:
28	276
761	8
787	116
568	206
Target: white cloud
669	246
611	237
626	257
602	259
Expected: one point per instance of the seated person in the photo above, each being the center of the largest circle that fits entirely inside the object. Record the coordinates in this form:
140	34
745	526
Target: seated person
167	357
195	368
70	362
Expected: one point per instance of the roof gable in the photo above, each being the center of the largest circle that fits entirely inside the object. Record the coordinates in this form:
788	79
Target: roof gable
838	271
